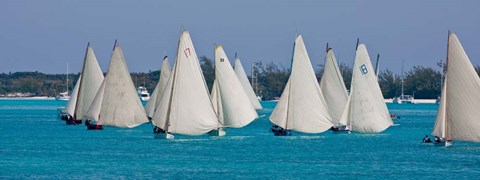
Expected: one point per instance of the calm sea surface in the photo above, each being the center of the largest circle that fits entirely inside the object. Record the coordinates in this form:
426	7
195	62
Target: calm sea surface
34	143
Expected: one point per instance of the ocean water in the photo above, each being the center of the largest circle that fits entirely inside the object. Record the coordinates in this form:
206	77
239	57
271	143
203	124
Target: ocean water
34	143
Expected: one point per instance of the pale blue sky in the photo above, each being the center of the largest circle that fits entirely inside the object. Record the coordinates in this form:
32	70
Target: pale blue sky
43	35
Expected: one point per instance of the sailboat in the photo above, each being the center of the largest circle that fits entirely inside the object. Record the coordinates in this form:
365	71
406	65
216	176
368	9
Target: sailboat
64	95
116	102
185	106
242	76
302	106
230	101
87	86
457	115
69	111
403	99
365	111
157	93
333	88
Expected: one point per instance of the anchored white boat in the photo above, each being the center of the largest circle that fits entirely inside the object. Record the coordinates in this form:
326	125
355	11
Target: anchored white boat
143	93
457	115
157	92
230	101
185	106
403	99
302	106
116	102
63	96
334	90
365	111
242	76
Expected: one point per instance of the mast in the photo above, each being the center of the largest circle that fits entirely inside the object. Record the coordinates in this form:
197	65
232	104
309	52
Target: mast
81	80
167	122
403	61
377	66
290	84
446	132
67	78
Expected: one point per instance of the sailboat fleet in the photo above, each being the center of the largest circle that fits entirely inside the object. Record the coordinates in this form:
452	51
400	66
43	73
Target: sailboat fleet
182	103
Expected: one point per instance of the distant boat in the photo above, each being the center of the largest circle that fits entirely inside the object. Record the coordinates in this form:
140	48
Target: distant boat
403	99
230	101
242	76
365	111
159	89
333	88
116	102
143	93
185	106
302	106
87	86
457	115
64	95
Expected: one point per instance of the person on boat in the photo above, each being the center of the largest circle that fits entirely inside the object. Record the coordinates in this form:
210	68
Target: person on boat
157	130
87	122
437	139
426	139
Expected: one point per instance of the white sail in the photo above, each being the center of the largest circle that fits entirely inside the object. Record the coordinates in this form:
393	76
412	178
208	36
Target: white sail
237	108
217	101
185	106
439	128
72	102
302	106
462	95
93	112
366	111
92	77
120	104
157	93
333	87
242	76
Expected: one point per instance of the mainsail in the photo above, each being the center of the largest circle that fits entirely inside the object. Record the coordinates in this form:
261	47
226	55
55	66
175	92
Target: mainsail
302	106
92	77
238	110
185	106
366	111
157	93
72	102
458	117
242	76
333	87
117	99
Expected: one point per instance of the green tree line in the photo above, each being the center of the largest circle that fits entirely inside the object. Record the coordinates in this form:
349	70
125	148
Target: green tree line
422	82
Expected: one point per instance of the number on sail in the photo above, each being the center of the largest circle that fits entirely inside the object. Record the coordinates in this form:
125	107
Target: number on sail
187	54
363	69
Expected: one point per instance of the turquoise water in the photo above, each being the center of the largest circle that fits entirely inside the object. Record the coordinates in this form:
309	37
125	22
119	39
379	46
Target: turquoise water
35	144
